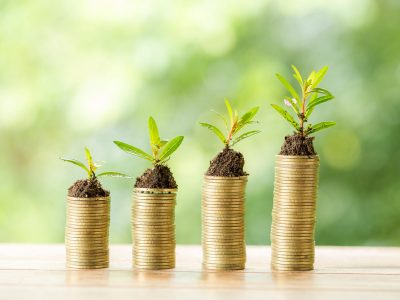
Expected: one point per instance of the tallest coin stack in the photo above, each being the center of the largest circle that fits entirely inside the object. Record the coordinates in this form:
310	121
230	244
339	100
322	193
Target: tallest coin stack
293	213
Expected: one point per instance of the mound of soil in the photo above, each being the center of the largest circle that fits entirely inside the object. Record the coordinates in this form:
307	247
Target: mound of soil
159	177
228	163
298	145
87	188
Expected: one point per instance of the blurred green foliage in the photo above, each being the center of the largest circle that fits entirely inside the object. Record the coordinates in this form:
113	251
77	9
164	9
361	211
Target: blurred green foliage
76	73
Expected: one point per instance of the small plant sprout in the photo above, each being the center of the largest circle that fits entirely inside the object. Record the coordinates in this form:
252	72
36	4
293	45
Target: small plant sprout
161	150
234	126
304	103
92	167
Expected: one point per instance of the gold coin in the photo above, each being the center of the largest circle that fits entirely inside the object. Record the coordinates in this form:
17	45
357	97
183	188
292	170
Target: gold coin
80	257
153	235
84	234
222	238
151	261
280	234
154	266
77	267
223	266
292	261
92	207
142	255
154	251
87	262
291	221
302	256
87	238
88	214
223	209
233	245
224	253
217	216
291	248
228	191
223	235
84	244
155	246
150	200
294	174
294	215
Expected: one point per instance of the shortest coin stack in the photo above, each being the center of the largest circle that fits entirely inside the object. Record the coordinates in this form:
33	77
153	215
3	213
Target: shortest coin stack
223	240
153	228
86	232
293	213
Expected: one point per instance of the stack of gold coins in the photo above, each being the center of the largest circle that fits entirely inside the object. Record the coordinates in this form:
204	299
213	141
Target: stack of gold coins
153	228
223	242
293	213
86	232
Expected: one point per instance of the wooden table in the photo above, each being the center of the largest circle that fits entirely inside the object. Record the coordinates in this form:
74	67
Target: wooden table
38	272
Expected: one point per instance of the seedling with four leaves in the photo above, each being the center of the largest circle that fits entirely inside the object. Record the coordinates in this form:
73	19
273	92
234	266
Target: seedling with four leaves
92	167
234	126
303	104
161	150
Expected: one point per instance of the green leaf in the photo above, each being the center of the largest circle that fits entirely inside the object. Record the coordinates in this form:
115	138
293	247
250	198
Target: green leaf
113	174
288	86
170	147
319	100
320	126
162	144
245	136
247	117
153	132
297	76
133	150
286	115
229	108
319	76
321	91
222	118
92	166
215	130
77	163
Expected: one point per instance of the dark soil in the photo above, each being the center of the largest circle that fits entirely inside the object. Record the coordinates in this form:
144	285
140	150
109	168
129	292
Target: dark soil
228	163
87	188
298	145
159	177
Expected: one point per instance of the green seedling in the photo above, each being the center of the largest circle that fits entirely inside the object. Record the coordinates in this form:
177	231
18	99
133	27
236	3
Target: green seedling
91	167
161	150
303	104
233	126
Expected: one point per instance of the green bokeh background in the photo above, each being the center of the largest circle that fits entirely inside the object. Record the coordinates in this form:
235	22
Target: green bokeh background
84	73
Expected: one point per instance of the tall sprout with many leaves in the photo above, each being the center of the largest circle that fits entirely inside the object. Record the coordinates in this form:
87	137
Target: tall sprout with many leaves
303	103
92	167
161	150
233	126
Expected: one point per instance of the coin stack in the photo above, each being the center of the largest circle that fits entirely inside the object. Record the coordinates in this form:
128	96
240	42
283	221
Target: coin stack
153	228
86	232
223	242
293	213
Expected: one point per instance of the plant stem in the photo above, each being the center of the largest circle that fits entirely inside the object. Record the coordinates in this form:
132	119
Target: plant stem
302	111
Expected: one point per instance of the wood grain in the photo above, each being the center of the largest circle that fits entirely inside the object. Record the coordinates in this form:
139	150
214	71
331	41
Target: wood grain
38	272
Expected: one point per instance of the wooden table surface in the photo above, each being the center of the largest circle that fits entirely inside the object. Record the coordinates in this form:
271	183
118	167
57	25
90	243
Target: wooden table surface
38	272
